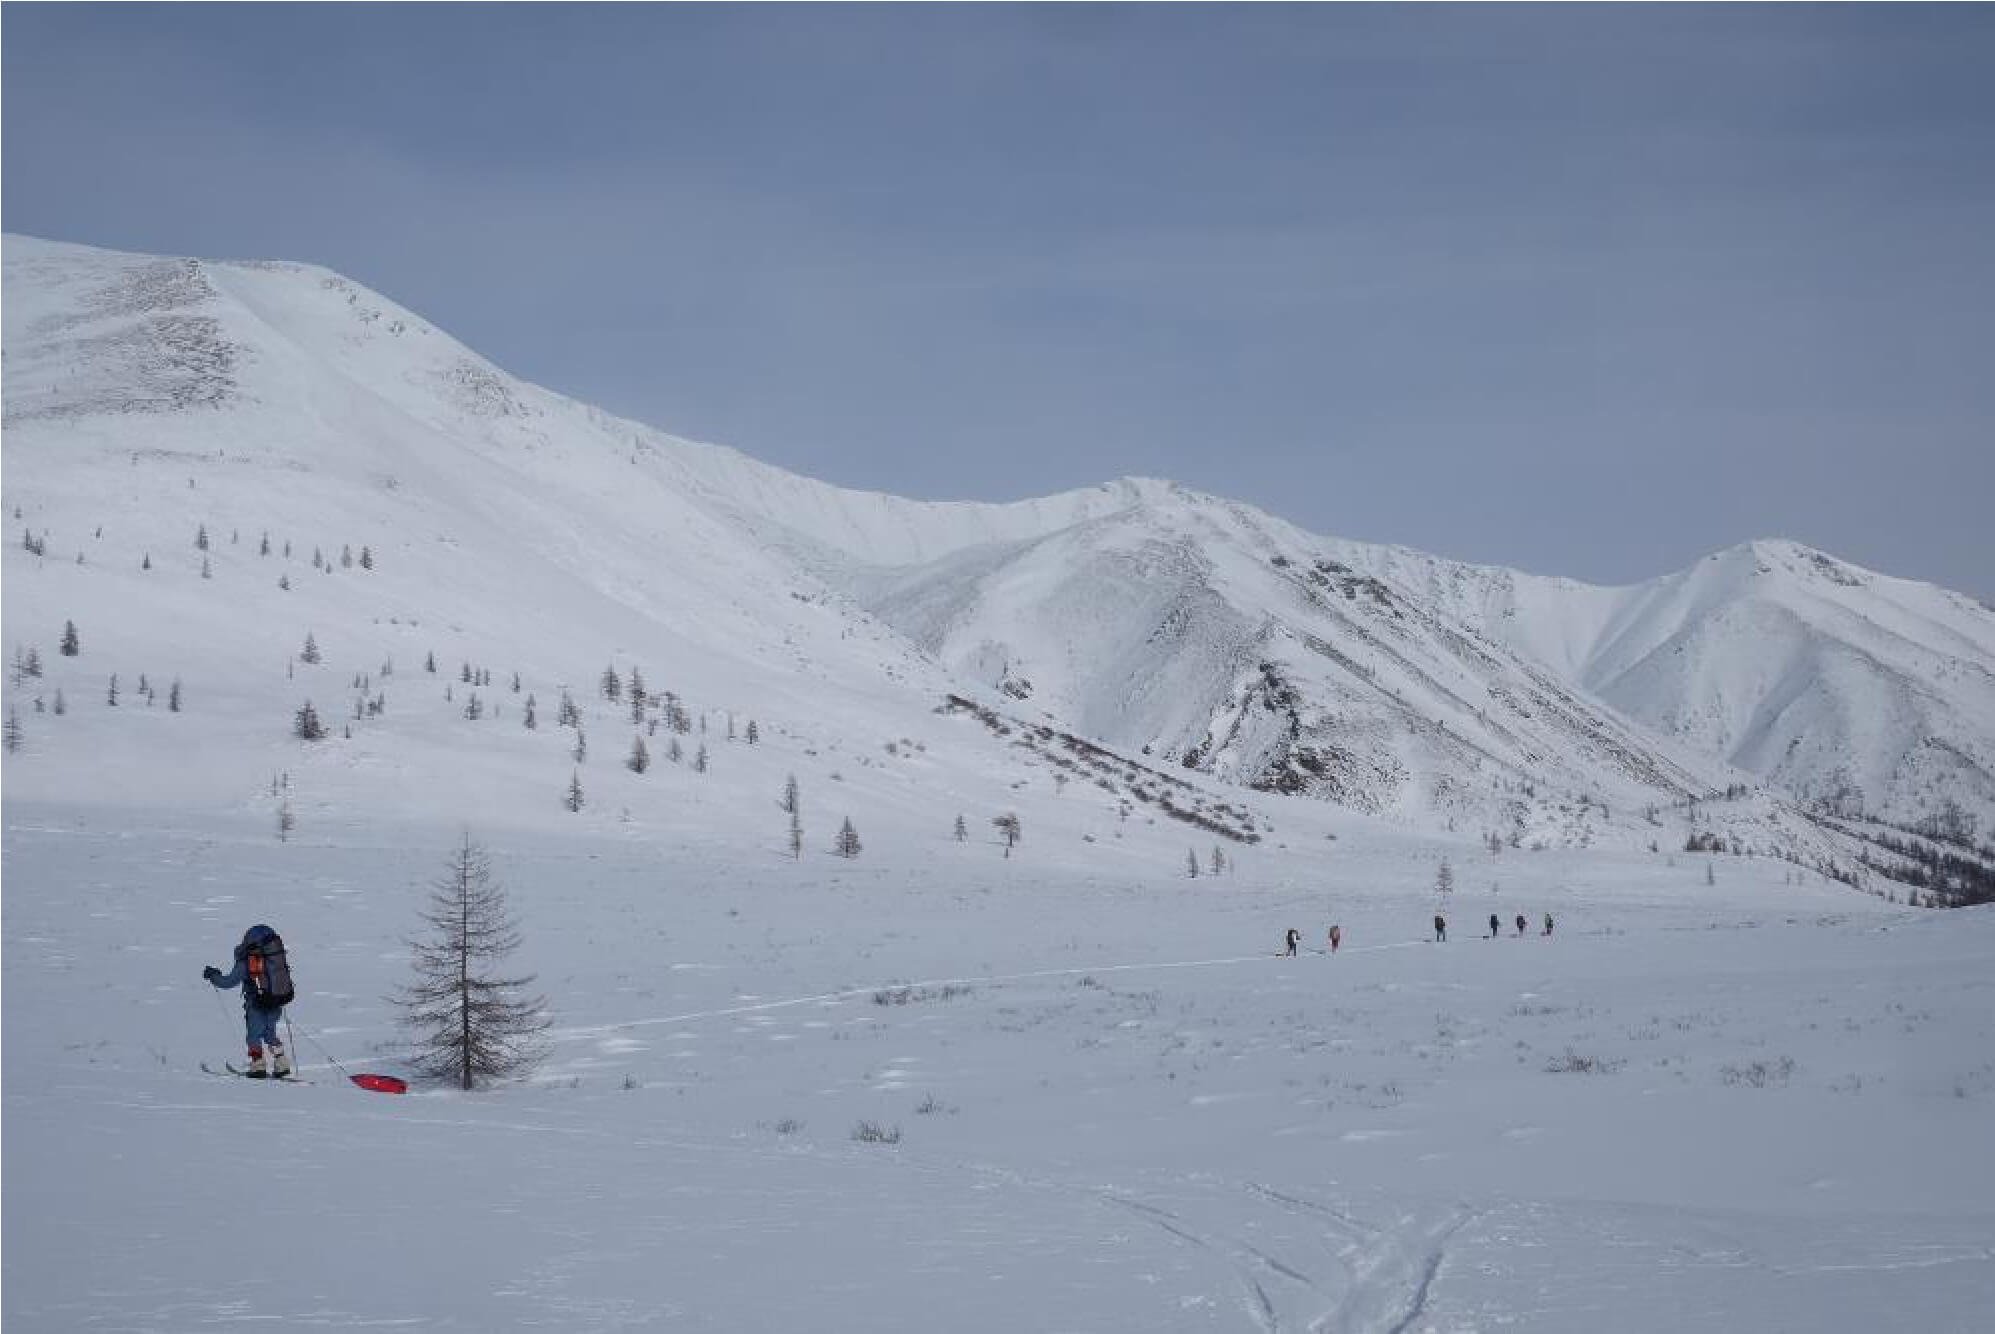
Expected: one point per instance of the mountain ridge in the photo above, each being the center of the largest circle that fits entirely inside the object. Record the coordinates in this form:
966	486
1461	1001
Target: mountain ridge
1167	622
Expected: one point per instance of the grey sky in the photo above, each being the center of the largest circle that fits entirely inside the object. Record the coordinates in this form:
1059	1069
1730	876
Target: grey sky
1585	291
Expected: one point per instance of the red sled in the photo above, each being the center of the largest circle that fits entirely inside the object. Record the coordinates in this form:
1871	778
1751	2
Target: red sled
381	1083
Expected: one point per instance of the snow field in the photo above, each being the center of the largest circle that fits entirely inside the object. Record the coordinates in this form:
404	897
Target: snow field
1750	1106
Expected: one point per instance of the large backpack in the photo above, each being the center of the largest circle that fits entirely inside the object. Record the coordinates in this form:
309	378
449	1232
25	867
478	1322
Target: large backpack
269	971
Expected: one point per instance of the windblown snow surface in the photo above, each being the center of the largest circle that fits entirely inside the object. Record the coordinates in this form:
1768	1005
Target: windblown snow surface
933	1087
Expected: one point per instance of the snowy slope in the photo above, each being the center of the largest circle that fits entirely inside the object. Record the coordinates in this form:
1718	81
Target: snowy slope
1845	688
527	533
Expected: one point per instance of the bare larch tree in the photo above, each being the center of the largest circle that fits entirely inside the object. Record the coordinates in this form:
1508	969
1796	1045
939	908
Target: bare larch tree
466	1023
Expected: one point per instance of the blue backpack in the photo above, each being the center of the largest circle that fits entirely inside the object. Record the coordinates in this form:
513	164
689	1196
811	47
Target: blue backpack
268	969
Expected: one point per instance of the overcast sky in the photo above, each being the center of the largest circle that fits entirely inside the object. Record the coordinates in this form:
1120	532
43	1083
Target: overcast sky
1589	292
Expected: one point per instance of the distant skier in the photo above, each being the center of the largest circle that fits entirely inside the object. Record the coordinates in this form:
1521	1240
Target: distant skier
1336	938
264	975
1520	923
1294	938
1440	929
1495	926
1548	924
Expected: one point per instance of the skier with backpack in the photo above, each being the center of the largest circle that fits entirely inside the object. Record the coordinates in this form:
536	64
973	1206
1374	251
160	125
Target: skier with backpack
1292	939
1520	923
1440	929
1495	927
264	975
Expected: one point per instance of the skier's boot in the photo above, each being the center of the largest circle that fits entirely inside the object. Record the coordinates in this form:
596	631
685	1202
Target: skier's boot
283	1061
256	1069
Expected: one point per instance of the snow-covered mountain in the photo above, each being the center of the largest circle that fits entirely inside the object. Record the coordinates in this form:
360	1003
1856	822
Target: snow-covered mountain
509	527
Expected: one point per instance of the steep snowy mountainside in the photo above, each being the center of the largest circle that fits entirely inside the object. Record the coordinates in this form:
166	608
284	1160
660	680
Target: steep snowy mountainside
1224	641
146	397
1847	689
418	504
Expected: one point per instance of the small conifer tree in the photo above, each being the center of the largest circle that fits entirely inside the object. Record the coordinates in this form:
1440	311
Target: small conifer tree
70	645
640	758
573	801
848	839
465	1022
1008	827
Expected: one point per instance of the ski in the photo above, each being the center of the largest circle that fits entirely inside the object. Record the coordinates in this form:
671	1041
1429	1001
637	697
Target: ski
229	1071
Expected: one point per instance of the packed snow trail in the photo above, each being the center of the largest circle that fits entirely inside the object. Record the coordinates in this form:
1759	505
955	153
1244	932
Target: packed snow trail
580	1033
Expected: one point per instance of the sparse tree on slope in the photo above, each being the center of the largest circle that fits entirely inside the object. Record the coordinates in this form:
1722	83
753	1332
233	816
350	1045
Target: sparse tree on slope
962	830
466	1023
1444	879
1007	825
848	840
640	758
1191	864
310	653
789	801
14	734
305	724
573	801
70	645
